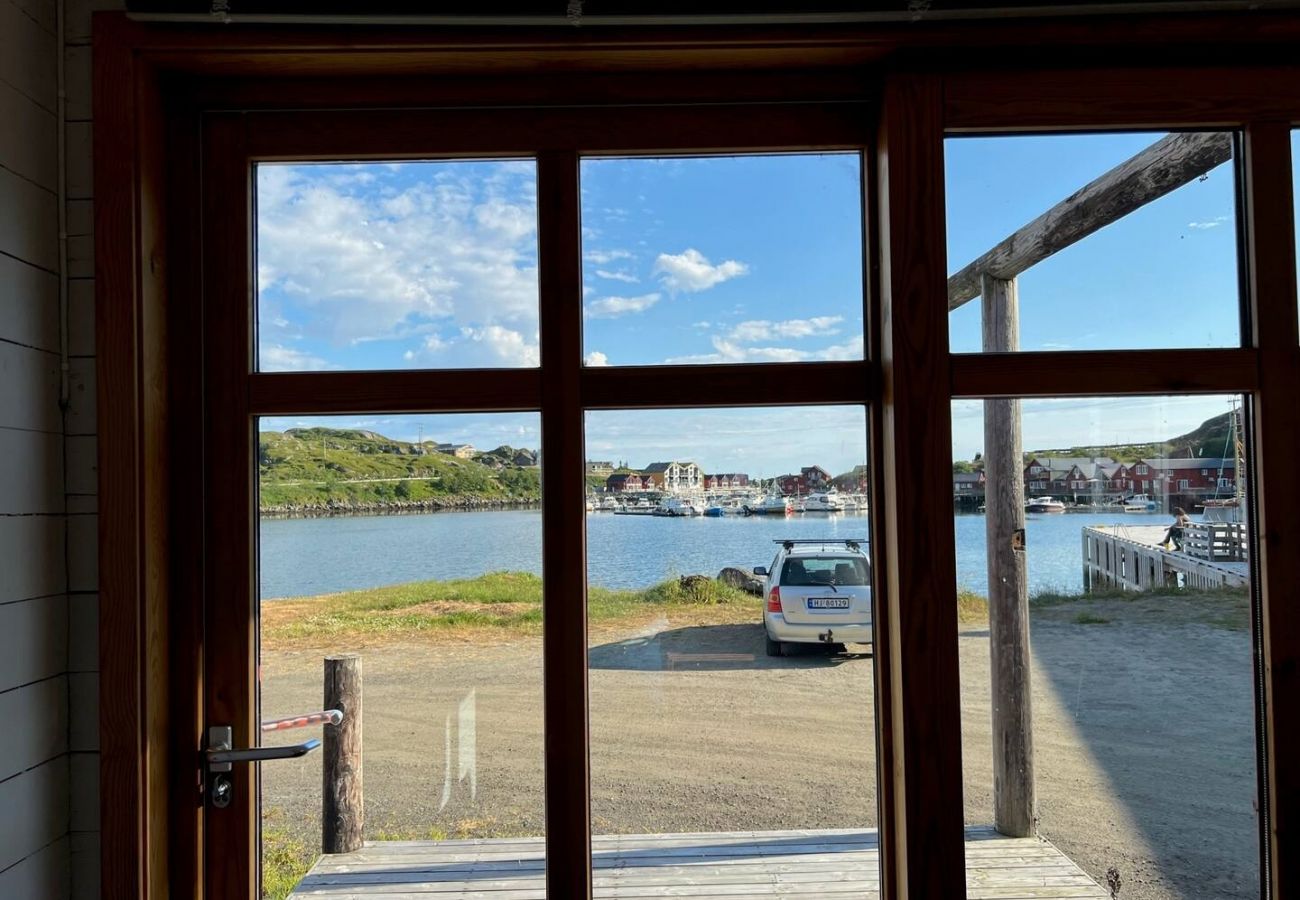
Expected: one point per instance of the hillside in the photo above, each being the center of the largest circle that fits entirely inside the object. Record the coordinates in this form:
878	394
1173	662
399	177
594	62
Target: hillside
1210	438
307	470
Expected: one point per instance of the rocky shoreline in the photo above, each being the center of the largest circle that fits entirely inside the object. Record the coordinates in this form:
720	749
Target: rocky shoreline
346	507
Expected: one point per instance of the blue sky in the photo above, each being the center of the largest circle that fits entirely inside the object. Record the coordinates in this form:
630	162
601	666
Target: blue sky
725	259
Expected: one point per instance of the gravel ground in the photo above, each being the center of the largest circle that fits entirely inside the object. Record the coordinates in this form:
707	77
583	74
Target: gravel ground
1143	733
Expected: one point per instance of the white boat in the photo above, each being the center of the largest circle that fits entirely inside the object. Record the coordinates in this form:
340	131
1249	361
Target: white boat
1140	503
824	501
608	504
679	506
1044	505
641	506
771	505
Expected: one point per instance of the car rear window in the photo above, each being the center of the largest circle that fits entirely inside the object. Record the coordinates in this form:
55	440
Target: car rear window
804	571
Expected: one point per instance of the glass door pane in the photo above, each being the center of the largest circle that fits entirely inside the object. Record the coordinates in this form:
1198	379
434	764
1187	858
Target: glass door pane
1107	639
410	545
733	738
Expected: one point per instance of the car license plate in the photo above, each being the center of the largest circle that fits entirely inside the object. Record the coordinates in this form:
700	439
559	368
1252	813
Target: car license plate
828	602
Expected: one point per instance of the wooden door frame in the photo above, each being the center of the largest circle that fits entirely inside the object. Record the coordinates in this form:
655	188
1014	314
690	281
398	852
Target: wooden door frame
151	82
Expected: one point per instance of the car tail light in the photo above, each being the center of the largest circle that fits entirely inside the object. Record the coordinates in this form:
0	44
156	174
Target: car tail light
774	600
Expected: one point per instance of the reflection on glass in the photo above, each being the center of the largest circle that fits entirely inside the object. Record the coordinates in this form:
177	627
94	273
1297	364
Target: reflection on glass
722	259
731	710
1295	187
414	544
1135	755
1114	241
429	265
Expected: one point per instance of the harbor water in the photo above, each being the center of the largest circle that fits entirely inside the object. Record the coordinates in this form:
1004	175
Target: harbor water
304	557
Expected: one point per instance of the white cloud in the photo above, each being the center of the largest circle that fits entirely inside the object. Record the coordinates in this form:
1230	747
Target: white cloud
355	253
604	257
278	358
1208	223
612	307
730	351
503	346
761	329
691	271
617	276
596	358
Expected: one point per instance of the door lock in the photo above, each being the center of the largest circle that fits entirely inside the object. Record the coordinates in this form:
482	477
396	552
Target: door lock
220	757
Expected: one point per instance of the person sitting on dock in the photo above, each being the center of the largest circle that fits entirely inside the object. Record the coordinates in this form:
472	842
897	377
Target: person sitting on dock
1175	533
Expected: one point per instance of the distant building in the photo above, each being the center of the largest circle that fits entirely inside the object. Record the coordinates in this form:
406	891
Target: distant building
599	467
625	482
1065	475
968	484
674	477
726	481
809	480
460	451
1195	476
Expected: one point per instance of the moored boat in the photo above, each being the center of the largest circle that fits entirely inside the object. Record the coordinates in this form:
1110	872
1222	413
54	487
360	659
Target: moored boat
1140	503
773	504
824	501
1044	505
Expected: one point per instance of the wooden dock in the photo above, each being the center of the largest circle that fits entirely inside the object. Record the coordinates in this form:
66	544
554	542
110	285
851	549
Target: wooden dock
829	863
1131	557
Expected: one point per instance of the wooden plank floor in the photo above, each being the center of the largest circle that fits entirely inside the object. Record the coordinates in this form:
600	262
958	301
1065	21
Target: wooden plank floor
834	863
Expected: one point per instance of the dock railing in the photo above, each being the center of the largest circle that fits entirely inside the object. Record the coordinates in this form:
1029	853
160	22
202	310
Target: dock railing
1217	541
1132	559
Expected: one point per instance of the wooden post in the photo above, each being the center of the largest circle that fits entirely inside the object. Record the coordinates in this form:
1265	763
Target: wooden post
1013	741
342	809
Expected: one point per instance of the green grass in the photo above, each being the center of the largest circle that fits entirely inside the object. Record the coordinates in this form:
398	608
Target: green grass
285	859
499	601
1228	608
972	608
1087	618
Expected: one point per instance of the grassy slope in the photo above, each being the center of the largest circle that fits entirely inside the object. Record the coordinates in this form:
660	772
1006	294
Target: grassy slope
310	467
507	603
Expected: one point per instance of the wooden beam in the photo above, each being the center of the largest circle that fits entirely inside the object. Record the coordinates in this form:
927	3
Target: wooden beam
1092	373
1275	428
1166	165
741	384
564	532
922	854
1014	808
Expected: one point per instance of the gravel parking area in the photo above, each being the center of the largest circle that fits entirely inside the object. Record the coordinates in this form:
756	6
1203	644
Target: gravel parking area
1143	735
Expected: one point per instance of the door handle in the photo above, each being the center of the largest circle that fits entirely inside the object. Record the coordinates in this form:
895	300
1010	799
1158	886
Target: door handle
221	756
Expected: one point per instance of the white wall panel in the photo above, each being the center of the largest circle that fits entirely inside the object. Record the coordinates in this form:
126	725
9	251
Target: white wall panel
33	810
29	305
43	874
43	705
29	226
29	389
31	472
33	644
31	557
28	140
28	62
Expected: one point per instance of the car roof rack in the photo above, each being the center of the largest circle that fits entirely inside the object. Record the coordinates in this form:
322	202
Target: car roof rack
851	543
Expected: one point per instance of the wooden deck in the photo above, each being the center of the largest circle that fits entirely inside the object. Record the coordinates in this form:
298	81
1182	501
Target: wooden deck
1130	556
834	863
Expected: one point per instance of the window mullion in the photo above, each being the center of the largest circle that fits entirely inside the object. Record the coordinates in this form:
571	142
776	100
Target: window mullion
564	531
1270	230
922	845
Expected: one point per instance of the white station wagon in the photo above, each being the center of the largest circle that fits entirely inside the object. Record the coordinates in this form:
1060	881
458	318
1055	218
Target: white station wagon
817	592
